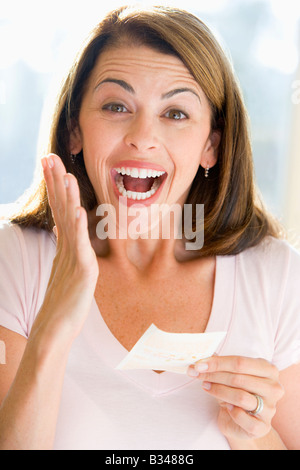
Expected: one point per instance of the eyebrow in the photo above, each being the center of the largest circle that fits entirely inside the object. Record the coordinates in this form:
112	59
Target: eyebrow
122	83
129	88
172	93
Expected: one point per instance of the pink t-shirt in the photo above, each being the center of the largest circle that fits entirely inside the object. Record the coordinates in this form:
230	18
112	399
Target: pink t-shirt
256	300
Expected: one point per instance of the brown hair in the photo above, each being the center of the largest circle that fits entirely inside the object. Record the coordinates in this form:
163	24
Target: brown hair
234	217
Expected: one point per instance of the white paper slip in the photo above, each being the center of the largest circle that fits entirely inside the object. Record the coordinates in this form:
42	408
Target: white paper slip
173	352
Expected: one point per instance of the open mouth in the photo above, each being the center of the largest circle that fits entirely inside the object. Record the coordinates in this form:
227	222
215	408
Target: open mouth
138	184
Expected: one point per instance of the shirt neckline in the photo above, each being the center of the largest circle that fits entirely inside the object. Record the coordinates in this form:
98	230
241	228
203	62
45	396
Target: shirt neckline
111	351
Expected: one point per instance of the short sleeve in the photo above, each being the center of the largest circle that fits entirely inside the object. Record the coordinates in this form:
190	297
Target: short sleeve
26	259
287	337
13	305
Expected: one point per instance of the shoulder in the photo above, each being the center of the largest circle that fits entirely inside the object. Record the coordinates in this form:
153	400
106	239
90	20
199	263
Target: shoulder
6	231
9	229
270	274
26	259
26	244
267	286
273	255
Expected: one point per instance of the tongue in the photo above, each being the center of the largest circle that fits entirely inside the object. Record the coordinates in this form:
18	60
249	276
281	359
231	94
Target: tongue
138	185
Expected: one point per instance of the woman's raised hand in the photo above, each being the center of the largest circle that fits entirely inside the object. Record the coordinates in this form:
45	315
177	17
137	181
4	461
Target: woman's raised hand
75	267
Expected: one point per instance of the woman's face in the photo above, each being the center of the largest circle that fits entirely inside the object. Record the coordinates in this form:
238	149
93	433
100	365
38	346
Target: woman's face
144	127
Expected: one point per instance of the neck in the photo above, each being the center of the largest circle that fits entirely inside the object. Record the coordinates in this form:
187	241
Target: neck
142	253
145	255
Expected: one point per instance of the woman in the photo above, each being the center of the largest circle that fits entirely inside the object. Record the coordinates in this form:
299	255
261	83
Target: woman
153	93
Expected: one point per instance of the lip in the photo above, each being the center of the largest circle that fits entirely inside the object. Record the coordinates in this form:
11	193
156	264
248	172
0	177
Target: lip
137	164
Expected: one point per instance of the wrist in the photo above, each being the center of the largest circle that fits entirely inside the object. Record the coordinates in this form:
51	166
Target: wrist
242	444
271	441
49	343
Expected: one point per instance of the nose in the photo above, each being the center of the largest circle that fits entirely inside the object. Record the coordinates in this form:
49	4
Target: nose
141	133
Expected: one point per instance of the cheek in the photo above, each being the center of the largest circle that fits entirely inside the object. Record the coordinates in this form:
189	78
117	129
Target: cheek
188	157
97	146
92	136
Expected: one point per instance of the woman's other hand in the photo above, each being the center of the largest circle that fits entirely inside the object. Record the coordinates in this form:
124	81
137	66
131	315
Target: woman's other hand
236	382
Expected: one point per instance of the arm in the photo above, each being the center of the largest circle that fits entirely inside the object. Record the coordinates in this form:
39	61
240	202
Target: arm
30	390
287	418
14	346
28	413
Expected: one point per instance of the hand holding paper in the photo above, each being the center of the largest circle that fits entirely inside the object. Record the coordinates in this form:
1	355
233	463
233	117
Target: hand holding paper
173	352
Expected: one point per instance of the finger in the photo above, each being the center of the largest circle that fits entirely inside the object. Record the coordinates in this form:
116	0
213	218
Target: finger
238	365
47	166
59	203
82	233
58	172
254	426
72	202
234	396
253	384
84	251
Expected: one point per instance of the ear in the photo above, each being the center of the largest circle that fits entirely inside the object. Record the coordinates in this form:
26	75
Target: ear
75	141
210	154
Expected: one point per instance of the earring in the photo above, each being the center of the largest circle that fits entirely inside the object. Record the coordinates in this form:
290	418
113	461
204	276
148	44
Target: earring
206	172
73	158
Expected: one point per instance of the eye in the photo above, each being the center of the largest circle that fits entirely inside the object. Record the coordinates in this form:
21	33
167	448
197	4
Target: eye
176	115
115	108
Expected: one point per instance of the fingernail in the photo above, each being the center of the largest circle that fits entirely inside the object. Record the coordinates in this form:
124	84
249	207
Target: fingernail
66	181
229	407
201	366
50	162
192	372
77	212
206	385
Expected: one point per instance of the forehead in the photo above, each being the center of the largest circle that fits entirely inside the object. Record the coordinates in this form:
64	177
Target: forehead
141	62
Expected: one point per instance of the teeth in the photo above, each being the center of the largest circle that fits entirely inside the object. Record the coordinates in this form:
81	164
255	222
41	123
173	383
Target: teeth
136	195
139	172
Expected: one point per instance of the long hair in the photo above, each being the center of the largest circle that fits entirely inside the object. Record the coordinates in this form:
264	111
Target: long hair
234	216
